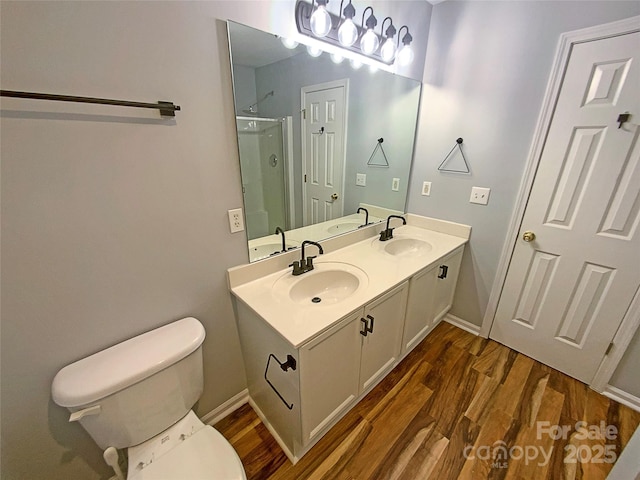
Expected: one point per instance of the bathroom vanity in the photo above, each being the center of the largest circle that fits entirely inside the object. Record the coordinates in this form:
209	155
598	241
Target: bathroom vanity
315	344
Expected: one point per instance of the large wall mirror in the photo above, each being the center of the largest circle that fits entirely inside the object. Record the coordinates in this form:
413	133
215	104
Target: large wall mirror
318	139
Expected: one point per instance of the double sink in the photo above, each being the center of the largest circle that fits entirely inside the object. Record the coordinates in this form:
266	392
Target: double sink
332	282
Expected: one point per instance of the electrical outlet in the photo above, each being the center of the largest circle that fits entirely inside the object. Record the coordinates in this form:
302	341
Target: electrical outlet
361	179
426	188
480	195
236	222
395	184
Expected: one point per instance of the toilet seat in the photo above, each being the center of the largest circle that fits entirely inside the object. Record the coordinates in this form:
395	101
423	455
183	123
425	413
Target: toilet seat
205	455
189	450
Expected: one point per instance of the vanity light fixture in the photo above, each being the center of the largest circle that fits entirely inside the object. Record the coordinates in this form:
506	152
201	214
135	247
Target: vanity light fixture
315	21
388	49
369	42
320	19
348	32
405	54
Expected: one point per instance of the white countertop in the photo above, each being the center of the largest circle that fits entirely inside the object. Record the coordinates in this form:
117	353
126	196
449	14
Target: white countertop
299	323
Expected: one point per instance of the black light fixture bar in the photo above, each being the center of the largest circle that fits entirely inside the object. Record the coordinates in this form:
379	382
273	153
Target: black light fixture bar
167	109
303	17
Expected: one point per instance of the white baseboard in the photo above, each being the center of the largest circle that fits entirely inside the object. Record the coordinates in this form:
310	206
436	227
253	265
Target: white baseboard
463	324
228	407
622	397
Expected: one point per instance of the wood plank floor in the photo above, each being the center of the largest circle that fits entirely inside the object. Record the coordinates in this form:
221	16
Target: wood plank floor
454	393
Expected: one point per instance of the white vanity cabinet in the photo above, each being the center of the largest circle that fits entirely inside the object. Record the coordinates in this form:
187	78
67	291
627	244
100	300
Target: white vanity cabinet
430	297
332	370
308	364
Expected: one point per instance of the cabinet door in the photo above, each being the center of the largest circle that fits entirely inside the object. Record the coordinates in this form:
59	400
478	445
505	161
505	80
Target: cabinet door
329	372
447	278
381	344
421	309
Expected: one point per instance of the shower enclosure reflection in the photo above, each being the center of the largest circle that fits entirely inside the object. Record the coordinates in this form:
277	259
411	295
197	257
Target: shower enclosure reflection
264	144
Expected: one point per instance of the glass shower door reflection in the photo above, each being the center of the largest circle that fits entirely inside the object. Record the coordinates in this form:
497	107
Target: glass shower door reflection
264	171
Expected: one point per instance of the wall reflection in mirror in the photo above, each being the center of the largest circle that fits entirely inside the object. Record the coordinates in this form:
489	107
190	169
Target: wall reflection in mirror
320	138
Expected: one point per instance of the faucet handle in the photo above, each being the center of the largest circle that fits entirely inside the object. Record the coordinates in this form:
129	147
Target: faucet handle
297	268
310	262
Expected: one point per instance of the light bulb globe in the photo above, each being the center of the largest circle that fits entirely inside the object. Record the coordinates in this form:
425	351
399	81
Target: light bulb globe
369	42
313	51
348	33
320	22
388	50
355	64
289	43
405	56
336	58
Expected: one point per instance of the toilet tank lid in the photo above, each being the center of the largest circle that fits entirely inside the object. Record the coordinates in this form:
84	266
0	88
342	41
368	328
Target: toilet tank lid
118	367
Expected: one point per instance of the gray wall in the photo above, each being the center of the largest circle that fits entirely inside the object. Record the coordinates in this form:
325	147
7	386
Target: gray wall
114	221
485	76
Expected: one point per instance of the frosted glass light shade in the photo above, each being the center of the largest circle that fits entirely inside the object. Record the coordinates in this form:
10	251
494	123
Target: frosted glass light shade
320	22
348	33
369	42
405	55
388	50
287	42
313	51
336	58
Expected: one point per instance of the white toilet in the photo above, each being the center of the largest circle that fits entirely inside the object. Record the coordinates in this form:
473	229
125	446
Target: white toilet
138	395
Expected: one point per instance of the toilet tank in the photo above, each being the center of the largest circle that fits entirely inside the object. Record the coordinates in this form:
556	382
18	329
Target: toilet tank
134	390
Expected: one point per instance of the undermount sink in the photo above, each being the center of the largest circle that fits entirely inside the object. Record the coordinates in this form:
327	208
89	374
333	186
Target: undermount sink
327	284
404	246
343	227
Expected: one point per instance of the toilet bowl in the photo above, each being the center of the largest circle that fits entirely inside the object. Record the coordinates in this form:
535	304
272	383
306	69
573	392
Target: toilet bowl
138	395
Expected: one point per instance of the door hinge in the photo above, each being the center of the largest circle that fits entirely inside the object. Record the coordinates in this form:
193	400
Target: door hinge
609	349
304	113
305	178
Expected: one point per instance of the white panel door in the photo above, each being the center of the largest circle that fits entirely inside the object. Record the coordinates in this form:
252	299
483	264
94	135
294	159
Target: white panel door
323	132
567	291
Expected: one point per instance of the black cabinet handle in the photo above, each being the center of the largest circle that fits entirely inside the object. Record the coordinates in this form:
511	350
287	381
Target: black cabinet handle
443	271
365	328
370	327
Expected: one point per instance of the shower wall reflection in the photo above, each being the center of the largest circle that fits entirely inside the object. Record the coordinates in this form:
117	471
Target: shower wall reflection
264	145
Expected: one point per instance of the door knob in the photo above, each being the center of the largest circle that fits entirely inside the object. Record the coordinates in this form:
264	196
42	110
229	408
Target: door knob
334	196
528	236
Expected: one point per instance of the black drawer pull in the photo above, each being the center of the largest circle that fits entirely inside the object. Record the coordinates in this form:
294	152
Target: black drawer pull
365	328
370	327
443	271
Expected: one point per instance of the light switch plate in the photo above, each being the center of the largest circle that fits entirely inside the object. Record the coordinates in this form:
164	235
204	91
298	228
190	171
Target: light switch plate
361	179
395	184
426	188
236	221
480	195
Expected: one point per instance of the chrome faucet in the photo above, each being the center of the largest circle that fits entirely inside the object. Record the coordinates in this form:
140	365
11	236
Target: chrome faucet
366	218
284	243
387	234
305	264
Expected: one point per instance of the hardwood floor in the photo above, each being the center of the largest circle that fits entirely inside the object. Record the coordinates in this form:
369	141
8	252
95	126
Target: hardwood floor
454	393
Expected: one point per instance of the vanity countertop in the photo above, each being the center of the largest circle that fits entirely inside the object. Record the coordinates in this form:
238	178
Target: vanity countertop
298	323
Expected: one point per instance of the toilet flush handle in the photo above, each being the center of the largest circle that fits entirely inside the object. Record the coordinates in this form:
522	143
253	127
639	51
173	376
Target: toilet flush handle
75	416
